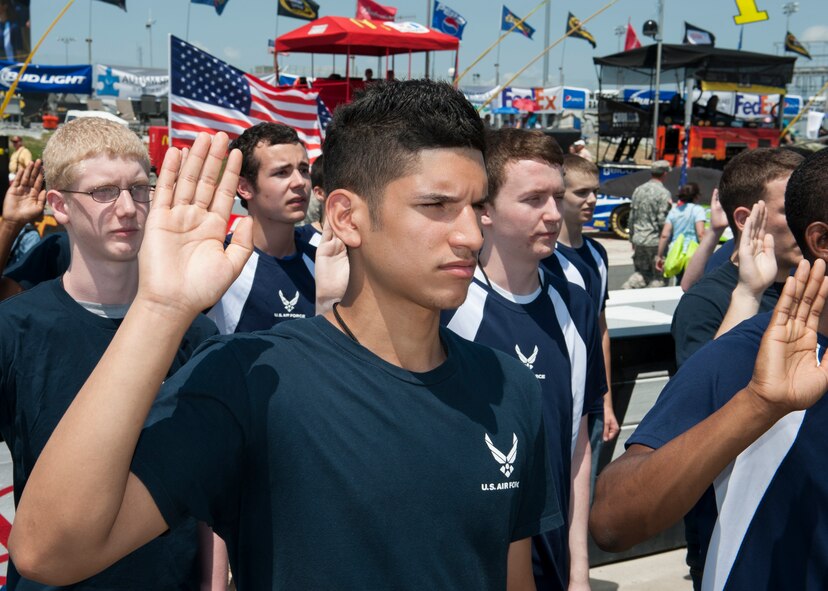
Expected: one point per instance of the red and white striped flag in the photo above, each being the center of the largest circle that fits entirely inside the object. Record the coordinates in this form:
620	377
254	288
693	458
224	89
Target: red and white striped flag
207	94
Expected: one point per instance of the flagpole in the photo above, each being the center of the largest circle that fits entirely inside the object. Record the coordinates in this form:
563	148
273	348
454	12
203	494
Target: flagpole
276	51
656	94
560	69
89	38
427	53
187	35
13	87
540	55
499	39
548	15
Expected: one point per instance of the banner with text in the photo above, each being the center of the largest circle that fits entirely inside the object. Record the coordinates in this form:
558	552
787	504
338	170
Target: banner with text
129	83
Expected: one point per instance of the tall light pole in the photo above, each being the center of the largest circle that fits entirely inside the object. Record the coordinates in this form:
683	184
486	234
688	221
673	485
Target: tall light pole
66	41
656	95
789	8
149	24
619	31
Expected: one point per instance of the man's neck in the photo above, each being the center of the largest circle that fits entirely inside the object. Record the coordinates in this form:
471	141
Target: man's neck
515	275
571	235
400	332
109	283
274	238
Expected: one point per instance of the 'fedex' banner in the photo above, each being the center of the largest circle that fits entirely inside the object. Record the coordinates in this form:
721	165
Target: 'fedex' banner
66	79
547	100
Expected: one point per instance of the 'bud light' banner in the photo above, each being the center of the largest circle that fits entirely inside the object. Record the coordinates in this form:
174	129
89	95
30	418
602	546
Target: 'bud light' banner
67	79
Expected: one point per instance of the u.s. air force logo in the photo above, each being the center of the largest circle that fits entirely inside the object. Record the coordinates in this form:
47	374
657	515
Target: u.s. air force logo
289	305
530	360
506	462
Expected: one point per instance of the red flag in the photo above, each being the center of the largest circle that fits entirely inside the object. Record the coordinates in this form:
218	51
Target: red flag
631	42
368	9
209	95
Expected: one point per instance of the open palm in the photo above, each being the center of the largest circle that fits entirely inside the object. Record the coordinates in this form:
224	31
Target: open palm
787	376
183	262
757	260
25	198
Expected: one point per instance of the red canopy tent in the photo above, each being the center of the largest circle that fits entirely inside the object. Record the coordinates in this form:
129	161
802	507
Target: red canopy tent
350	36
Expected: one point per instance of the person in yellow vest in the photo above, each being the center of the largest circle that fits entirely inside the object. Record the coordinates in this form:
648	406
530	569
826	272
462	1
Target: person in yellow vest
21	156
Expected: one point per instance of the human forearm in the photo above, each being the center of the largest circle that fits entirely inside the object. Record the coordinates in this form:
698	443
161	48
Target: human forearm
8	232
611	426
579	508
744	304
695	268
646	491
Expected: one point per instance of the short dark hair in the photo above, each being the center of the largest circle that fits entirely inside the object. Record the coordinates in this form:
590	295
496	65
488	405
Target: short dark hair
806	198
575	163
689	193
745	178
377	138
268	134
318	172
508	144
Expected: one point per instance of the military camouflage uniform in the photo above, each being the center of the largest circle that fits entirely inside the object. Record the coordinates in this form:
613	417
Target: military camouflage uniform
648	210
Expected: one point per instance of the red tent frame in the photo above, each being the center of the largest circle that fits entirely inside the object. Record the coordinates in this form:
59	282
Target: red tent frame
350	36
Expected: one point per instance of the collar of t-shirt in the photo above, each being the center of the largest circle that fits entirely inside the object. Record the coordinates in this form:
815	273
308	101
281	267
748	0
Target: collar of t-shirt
518	299
110	311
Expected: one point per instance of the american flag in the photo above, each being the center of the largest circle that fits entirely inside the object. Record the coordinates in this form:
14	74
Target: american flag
207	94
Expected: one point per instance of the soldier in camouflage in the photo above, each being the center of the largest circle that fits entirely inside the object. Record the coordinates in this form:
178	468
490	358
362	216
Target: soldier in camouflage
648	210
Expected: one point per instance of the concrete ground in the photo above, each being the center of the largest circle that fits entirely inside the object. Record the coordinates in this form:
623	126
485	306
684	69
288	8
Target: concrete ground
659	572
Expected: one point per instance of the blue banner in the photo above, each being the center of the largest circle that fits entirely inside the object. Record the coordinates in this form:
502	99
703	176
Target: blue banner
447	20
574	99
71	79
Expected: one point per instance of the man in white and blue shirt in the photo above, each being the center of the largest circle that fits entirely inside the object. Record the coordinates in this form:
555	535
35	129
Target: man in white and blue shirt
737	436
549	324
277	283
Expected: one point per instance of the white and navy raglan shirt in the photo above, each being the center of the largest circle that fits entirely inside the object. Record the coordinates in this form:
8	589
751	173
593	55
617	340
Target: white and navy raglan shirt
553	332
586	266
762	524
268	291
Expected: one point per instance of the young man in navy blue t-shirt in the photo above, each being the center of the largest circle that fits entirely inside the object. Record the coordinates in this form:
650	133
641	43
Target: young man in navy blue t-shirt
52	336
547	323
583	261
407	458
737	436
277	282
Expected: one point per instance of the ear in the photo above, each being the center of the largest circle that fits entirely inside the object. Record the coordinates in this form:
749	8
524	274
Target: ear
342	213
319	194
245	189
57	202
485	213
816	238
740	216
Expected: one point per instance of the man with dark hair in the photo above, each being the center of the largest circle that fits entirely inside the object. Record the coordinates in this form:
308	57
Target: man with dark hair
408	458
648	210
751	176
550	325
737	435
277	282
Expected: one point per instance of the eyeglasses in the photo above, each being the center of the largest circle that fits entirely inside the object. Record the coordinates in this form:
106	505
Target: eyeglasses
109	193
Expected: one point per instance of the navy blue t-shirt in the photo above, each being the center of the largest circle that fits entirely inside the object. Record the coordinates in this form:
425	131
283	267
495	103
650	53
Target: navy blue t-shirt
760	525
48	259
555	335
307	233
49	344
586	266
321	465
720	256
268	291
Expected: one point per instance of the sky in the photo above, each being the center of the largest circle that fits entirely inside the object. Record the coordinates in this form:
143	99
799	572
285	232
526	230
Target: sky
240	35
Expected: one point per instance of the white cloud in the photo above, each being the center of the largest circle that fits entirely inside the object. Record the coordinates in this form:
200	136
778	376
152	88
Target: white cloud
232	53
815	33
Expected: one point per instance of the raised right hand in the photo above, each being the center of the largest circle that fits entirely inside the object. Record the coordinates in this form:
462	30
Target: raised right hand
787	376
184	266
718	217
757	260
25	198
